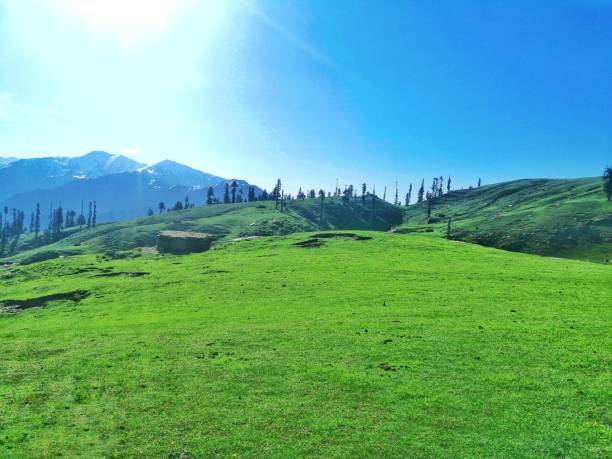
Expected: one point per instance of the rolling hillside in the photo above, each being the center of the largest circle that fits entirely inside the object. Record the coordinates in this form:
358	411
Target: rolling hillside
381	345
226	221
560	218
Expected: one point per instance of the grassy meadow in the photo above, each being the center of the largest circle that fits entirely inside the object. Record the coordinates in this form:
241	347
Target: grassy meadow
307	346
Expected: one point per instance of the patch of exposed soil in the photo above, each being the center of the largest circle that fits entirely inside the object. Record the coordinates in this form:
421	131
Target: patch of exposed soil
315	239
121	273
13	306
309	243
355	237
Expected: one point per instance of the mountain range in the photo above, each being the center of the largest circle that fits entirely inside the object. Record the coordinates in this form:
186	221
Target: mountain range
122	188
4	161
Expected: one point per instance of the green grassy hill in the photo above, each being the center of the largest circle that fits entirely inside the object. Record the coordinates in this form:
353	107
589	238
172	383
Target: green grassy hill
384	345
226	221
561	218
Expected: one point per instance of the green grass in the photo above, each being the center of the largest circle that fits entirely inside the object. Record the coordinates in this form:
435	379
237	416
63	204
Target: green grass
226	221
398	346
561	218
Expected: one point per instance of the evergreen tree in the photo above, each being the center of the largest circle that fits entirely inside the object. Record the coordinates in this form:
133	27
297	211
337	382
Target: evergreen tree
186	206
421	191
441	186
81	219
265	196
150	212
276	193
364	189
312	194
37	220
396	200
408	195
95	215
161	206
448	184
251	196
234	188
385	194
178	206
429	202
31	222
210	196
322	197
479	182
607	178
89	216
226	195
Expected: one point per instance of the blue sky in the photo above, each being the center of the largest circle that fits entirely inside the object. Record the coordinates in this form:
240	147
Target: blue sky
310	91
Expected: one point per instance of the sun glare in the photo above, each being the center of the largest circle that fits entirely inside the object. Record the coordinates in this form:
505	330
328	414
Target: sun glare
130	19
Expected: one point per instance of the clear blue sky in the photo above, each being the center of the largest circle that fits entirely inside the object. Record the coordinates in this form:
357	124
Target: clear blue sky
311	91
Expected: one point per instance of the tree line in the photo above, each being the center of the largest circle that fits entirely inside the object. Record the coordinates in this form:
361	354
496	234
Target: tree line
13	224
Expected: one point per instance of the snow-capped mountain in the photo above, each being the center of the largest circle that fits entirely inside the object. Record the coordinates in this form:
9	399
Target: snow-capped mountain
31	174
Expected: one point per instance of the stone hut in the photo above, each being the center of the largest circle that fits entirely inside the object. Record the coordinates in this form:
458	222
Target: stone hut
180	242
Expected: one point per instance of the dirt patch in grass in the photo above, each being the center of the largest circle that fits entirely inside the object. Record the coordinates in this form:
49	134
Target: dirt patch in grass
13	306
120	273
353	236
315	239
309	243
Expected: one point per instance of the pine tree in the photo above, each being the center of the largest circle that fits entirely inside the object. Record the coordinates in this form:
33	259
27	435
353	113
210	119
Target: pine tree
95	215
89	216
479	182
322	197
396	200
441	186
448	184
37	220
251	196
421	191
81	219
226	195
150	212
364	190
210	196
186	206
607	178
429	202
409	195
234	187
276	193
161	206
385	194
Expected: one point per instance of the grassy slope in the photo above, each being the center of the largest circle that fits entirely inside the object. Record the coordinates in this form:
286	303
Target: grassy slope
399	346
225	220
564	218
